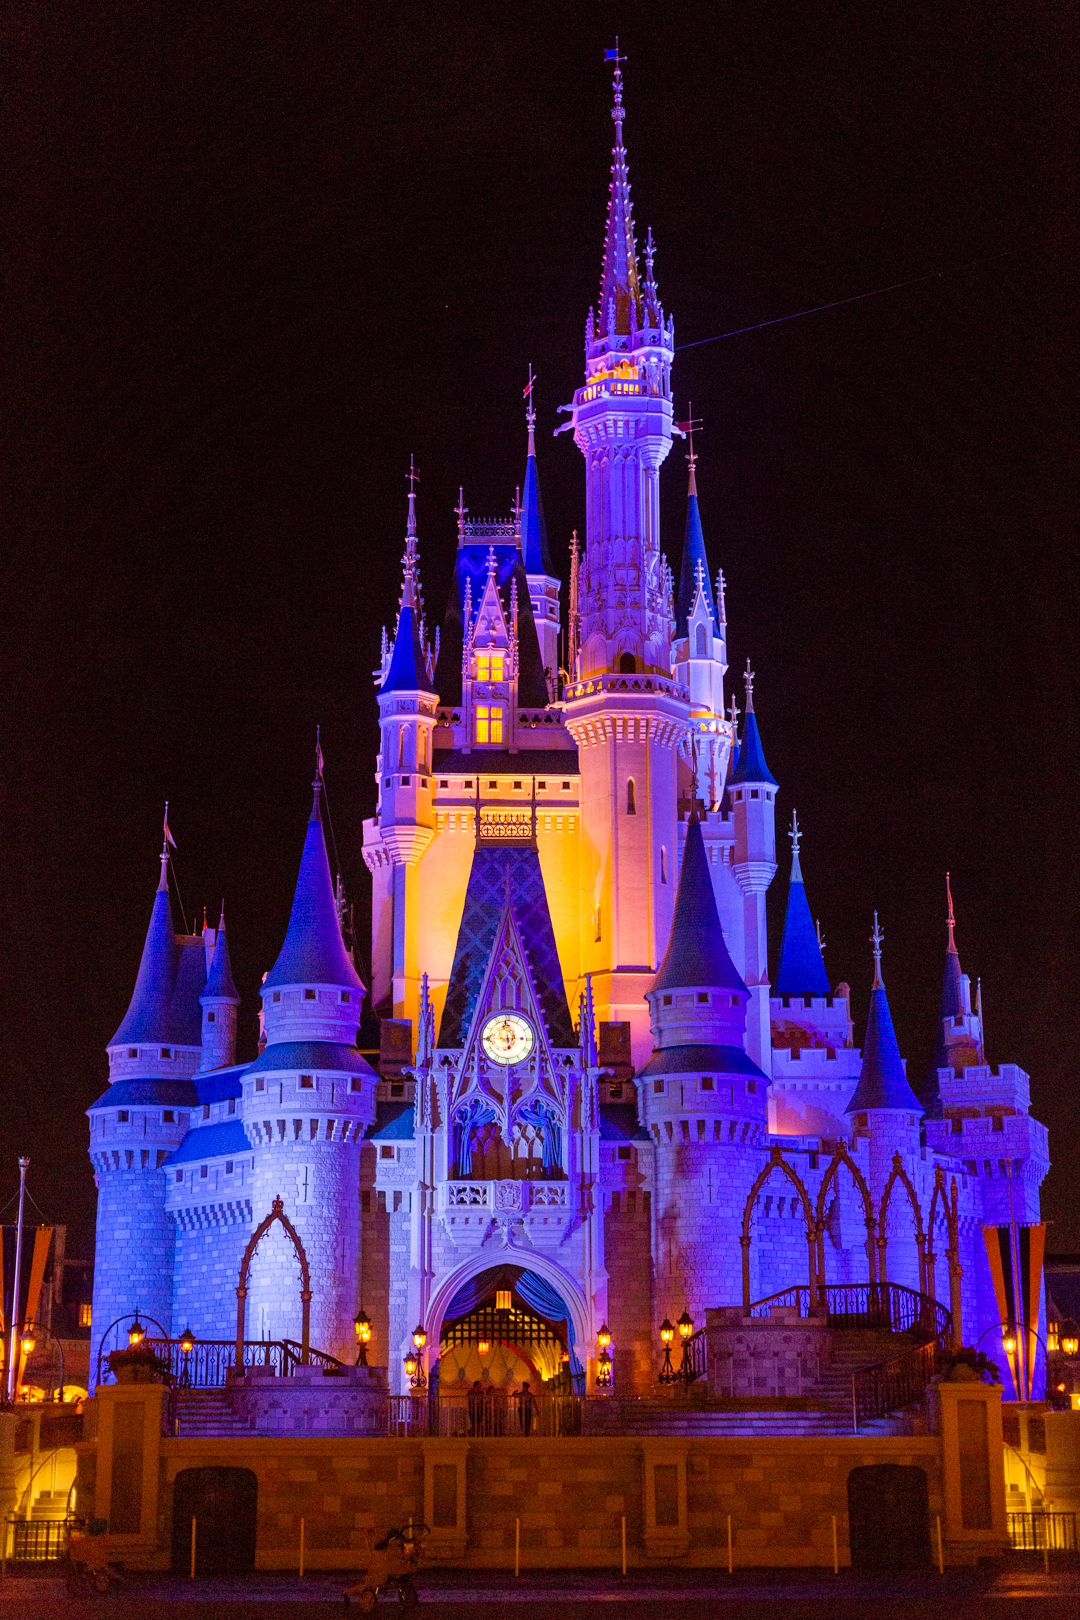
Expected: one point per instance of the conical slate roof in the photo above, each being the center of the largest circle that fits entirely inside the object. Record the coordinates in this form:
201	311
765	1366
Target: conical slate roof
219	981
882	1081
693	554
802	969
314	951
534	540
149	1016
751	766
697	953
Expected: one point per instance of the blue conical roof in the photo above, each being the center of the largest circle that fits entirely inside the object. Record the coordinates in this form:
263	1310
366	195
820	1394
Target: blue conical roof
219	981
408	667
697	952
149	1015
534	540
693	554
882	1081
751	766
314	951
952	1006
802	970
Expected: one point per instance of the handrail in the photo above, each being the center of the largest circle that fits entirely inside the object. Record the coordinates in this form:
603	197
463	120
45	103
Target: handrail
886	1386
210	1361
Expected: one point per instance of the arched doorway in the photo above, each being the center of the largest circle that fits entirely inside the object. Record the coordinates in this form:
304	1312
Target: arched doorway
223	1503
888	1517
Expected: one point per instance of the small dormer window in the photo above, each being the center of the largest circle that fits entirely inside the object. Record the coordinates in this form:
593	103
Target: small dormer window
397	1088
734	1001
307	1082
122	1116
708	1083
309	995
206	1110
166	1051
168	1117
203	1172
277	995
211	1018
356	1084
667	1001
232	1105
179	1176
703	996
260	1083
345	996
133	1051
489	666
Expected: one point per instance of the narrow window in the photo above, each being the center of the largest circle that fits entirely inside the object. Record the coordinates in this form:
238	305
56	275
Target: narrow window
260	1083
751	1086
206	1110
663	864
277	995
658	1088
957	1126
345	995
232	1105
123	1116
179	1175
702	642
85	1314
228	1167
999	1123
421	759
203	1172
667	1001
211	1018
627	664
401	747
631	803
356	1084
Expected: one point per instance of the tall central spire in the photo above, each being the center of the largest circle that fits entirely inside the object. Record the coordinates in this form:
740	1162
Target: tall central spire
620	290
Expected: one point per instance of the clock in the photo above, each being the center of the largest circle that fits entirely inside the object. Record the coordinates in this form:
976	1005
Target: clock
507	1038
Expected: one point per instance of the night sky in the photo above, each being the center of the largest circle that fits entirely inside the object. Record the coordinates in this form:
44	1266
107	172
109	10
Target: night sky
256	255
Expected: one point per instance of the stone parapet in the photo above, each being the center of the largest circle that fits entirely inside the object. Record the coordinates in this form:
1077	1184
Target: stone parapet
311	1402
781	1354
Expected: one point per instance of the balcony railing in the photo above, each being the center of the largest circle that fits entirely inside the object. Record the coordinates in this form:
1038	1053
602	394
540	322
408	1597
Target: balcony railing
1042	1532
482	1415
210	1361
631	685
505	1196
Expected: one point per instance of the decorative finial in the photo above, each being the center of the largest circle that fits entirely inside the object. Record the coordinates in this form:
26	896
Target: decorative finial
748	682
491	562
877	939
687	428
613	56
167	839
530	410
951	920
795	832
461	509
734	724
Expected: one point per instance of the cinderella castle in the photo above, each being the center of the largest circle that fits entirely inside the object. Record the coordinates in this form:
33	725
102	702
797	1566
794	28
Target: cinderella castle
593	1102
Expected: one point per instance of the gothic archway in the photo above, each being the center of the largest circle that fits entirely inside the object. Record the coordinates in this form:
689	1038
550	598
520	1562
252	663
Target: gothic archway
776	1162
277	1213
842	1157
898	1173
944	1208
578	1311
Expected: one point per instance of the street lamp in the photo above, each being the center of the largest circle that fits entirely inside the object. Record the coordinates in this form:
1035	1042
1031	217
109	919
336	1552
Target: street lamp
1069	1336
419	1337
603	1338
136	1332
363	1338
28	1342
668	1375
603	1370
685	1325
187	1345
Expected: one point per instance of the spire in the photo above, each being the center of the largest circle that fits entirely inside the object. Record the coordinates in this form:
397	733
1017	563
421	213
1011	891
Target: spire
882	1081
409	660
951	1007
148	1017
314	951
620	292
697	953
694	572
534	540
219	981
751	766
801	971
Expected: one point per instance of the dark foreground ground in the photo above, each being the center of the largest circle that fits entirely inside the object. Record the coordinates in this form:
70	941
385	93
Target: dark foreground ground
1017	1588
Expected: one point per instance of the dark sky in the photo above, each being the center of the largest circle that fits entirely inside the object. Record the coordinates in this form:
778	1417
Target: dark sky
257	254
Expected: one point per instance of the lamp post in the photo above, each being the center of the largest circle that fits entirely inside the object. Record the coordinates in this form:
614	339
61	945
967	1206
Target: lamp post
28	1344
187	1345
685	1373
603	1360
363	1338
24	1165
414	1361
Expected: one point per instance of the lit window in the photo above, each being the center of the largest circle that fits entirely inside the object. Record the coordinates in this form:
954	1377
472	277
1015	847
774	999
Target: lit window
615	1091
489	723
489	666
85	1313
503	1300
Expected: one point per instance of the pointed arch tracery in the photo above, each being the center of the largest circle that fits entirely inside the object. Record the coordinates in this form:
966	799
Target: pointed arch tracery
277	1213
842	1157
776	1162
898	1173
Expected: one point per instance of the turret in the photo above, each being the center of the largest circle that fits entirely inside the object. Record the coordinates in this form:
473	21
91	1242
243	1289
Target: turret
311	1073
219	1002
542	580
699	651
141	1119
959	1040
702	1095
753	788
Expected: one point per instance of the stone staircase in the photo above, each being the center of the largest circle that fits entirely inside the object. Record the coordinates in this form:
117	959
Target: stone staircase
50	1505
205	1413
829	1409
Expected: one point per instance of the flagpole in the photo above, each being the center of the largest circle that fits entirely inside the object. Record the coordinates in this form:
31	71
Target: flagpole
24	1165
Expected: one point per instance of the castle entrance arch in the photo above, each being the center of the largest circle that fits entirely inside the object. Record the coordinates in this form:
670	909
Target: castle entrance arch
554	1289
277	1213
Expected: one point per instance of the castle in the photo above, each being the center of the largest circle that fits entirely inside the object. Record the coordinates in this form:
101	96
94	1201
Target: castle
594	1107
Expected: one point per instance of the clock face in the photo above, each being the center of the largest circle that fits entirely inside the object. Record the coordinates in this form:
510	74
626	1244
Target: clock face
507	1038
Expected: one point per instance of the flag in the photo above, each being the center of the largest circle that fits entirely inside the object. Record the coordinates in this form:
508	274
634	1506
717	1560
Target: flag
169	839
684	427
527	390
613	56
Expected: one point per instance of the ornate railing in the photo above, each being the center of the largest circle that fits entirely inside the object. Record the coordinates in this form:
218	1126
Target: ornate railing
631	684
888	1386
867	1305
505	1195
38	1541
209	1362
1038	1532
483	1415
